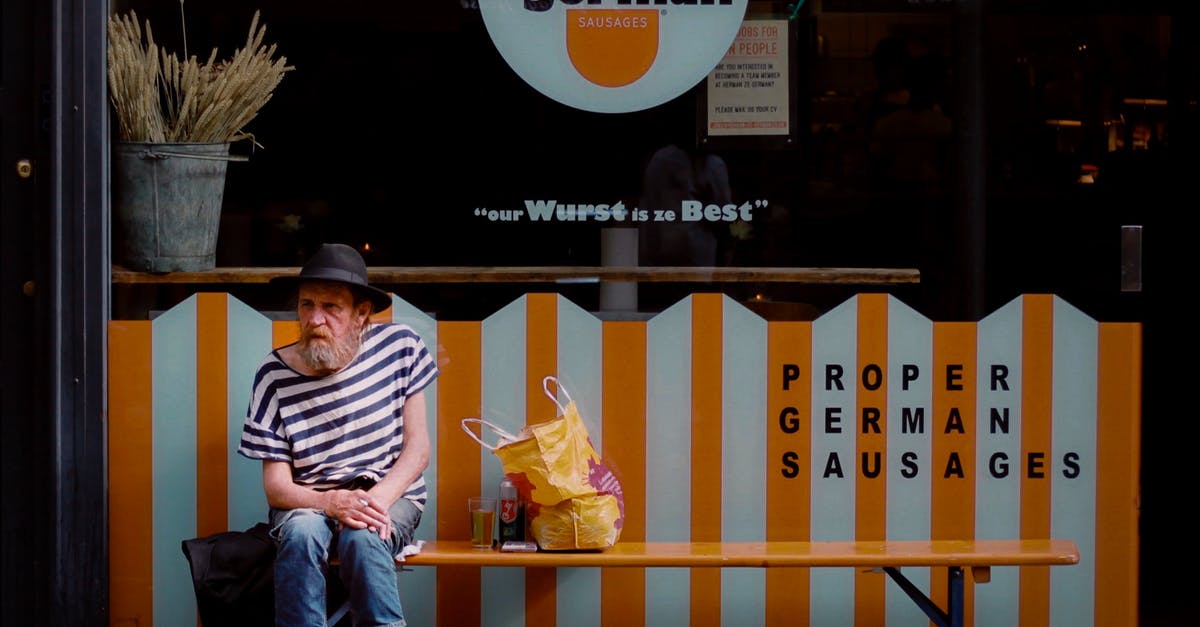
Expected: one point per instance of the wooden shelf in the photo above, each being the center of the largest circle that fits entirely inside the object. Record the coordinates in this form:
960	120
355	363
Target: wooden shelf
383	275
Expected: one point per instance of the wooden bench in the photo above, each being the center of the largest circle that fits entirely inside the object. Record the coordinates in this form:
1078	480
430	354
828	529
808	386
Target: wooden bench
890	557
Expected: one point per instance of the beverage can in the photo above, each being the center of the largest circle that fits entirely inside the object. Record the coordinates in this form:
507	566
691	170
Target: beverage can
512	525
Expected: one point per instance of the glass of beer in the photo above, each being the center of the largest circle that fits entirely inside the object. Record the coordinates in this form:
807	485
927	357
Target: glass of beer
483	521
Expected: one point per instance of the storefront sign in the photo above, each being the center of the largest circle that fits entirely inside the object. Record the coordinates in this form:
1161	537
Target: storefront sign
748	89
612	56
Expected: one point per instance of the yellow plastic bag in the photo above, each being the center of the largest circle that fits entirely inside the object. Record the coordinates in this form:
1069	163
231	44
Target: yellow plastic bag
583	522
560	478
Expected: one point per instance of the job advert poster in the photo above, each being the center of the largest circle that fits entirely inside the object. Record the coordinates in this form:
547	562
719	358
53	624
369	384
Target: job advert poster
748	89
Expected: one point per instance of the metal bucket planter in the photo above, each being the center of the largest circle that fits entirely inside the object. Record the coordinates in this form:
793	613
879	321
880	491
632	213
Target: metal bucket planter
167	204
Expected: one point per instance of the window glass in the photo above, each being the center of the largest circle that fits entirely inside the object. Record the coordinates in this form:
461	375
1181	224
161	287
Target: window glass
403	131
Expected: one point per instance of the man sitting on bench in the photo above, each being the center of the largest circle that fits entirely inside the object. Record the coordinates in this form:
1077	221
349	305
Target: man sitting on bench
338	419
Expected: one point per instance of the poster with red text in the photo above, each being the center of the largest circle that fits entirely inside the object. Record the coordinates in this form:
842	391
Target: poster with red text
748	89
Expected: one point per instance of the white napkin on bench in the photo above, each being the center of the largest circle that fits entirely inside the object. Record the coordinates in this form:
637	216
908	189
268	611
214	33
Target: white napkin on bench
410	549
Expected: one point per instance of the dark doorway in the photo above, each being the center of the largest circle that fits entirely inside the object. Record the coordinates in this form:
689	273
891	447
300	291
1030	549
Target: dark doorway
24	430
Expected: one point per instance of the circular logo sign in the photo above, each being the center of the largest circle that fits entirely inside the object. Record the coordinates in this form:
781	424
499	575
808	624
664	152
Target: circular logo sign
612	56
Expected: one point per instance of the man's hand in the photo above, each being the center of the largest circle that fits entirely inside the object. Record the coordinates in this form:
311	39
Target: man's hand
358	510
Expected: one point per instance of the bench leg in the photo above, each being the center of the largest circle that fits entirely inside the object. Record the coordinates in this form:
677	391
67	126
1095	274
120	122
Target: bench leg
953	617
956	604
338	613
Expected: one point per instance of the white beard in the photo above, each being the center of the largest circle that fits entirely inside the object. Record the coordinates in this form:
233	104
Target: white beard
330	355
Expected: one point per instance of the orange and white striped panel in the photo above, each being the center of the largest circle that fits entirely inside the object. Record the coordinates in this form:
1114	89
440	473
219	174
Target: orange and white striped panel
870	422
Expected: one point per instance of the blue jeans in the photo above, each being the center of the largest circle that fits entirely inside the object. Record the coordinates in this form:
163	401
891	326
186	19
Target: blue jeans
305	541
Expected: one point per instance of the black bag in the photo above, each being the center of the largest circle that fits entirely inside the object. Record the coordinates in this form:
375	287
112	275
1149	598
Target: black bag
233	575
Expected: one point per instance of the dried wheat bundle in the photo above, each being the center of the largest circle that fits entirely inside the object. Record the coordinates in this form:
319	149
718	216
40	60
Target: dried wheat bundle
159	98
133	80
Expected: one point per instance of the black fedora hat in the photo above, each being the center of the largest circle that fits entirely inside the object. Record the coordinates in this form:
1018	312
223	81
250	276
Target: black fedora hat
340	263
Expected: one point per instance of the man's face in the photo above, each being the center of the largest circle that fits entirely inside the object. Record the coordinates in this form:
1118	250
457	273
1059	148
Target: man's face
330	325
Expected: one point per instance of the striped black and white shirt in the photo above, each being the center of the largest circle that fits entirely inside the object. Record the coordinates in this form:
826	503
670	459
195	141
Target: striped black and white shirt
339	427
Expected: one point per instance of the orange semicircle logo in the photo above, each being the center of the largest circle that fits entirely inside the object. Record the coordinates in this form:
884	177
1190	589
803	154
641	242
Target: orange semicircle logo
612	47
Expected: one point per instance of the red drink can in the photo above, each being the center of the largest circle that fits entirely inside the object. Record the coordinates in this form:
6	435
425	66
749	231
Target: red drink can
512	525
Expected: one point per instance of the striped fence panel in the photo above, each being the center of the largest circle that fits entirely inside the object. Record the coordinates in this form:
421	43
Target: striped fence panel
869	423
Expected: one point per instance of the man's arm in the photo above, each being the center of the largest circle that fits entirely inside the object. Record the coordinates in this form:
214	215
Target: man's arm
414	457
353	508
